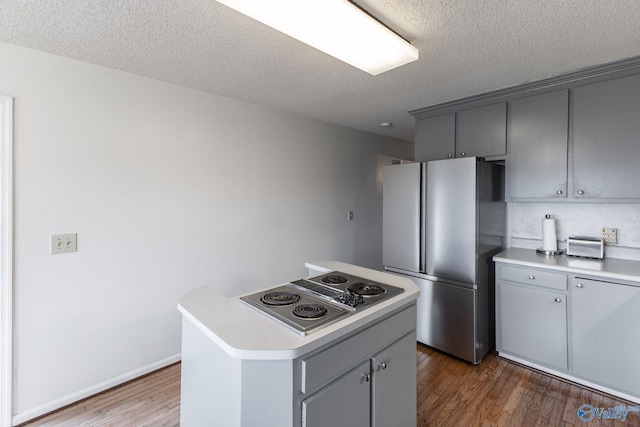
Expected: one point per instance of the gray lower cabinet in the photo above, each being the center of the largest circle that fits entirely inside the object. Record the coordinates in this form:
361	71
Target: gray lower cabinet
534	324
380	392
606	334
366	380
537	141
532	316
606	139
482	131
435	138
392	404
346	402
587	332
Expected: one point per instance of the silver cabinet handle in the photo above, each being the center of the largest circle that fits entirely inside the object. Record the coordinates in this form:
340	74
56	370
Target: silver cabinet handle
580	285
580	192
463	153
367	377
450	156
383	365
559	192
531	277
557	300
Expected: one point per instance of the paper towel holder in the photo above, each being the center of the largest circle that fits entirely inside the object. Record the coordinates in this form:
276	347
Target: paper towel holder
549	252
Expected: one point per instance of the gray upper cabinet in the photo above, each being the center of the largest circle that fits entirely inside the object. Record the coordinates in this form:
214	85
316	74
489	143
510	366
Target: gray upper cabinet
574	137
435	138
606	139
475	132
482	131
537	146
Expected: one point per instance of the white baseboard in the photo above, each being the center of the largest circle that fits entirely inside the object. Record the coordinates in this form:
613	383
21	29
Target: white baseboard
571	378
92	390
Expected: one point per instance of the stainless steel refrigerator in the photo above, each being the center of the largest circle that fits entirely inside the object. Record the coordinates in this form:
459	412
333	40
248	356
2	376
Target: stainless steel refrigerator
443	221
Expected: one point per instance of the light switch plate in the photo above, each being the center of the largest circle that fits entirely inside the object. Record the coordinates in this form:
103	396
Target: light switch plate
62	243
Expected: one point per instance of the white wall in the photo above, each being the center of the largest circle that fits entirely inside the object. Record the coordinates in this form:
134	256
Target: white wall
168	189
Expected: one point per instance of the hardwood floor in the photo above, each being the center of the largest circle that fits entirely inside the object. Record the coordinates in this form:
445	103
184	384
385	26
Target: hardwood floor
450	393
152	400
498	392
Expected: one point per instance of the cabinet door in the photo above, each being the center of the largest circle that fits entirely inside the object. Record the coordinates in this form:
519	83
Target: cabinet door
435	138
482	131
606	139
606	333
533	324
537	145
394	385
345	402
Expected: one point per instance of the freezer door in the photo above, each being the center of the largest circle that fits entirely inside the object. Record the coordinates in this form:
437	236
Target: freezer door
401	216
451	203
447	319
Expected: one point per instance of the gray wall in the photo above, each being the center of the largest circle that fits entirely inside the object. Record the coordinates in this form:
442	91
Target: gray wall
168	189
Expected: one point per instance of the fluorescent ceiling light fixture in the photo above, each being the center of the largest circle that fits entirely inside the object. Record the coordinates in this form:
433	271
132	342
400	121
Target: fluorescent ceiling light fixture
337	27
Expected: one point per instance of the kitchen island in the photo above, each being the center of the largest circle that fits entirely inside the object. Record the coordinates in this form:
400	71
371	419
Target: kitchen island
241	367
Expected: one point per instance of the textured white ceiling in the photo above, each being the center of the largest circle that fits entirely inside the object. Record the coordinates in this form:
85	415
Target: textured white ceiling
466	47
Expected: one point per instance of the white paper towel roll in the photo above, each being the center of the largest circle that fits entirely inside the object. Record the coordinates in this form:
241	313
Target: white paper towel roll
549	241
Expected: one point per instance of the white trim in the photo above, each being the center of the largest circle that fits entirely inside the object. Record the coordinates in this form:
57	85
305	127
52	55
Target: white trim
93	390
6	259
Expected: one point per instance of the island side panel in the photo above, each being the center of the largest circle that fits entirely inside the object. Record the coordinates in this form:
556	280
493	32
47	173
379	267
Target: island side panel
267	393
210	385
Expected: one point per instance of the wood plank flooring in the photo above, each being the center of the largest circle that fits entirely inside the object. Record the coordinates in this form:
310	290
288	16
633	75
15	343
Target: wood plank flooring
152	400
450	393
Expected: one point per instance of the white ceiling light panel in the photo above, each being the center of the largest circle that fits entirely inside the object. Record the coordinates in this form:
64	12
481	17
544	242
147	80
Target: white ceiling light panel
336	27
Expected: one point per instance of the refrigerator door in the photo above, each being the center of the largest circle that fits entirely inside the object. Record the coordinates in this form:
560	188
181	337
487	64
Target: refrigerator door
401	216
451	203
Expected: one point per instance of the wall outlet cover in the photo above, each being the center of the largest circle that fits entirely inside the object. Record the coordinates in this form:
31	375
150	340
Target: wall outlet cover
610	235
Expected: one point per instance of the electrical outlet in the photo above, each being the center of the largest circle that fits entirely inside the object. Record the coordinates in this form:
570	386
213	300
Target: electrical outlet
62	243
610	235
350	215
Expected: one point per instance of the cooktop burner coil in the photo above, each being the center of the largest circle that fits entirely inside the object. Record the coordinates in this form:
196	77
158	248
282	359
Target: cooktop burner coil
366	289
280	298
334	279
309	311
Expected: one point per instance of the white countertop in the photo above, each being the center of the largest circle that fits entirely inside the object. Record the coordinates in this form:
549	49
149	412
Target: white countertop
611	268
245	333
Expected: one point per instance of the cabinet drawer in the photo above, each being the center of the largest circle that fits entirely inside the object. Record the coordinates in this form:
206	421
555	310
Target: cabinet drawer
327	365
530	276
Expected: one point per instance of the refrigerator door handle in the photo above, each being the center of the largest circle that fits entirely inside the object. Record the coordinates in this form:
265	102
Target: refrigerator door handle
423	218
